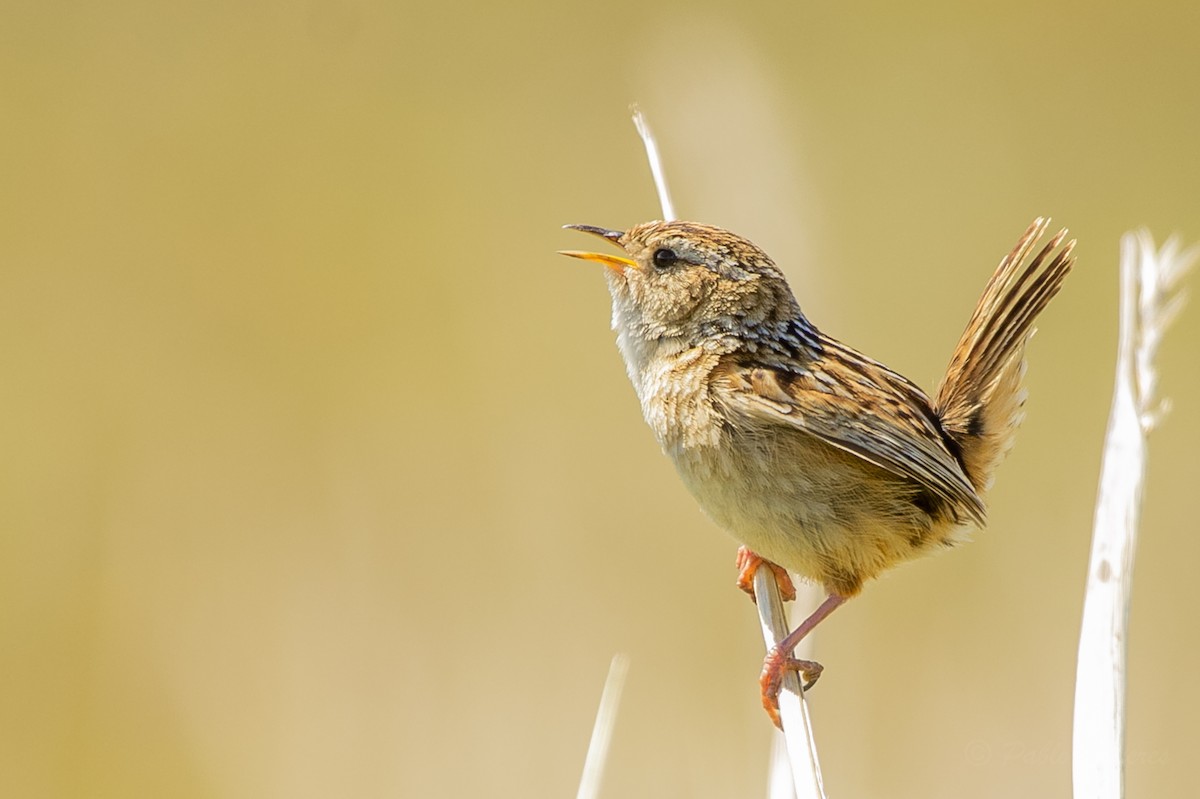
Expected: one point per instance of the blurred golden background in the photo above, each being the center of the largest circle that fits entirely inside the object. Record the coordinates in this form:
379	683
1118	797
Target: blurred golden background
321	474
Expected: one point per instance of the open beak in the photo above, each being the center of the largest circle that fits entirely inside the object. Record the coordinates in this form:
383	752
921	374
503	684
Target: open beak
613	262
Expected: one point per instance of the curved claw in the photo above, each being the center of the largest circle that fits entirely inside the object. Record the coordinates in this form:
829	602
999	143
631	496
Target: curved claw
771	681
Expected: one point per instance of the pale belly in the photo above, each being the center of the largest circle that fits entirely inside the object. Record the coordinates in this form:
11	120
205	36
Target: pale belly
812	508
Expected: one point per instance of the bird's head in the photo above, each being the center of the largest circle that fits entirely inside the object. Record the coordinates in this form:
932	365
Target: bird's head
689	282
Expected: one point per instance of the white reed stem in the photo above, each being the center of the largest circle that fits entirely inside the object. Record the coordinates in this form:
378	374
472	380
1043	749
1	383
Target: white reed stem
1148	303
602	730
656	167
797	730
793	710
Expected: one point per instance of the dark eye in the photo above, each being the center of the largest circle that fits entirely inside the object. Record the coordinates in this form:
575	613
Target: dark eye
664	257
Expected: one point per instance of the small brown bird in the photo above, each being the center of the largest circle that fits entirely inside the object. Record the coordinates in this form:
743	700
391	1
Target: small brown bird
818	459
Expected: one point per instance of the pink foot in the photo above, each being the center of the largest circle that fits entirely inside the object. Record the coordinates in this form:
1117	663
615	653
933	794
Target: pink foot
748	563
771	681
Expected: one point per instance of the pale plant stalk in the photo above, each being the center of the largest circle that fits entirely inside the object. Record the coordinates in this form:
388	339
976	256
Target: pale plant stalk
1148	302
803	778
602	730
656	167
781	775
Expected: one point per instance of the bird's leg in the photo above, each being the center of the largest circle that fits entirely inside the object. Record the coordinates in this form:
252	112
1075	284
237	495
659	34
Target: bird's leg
748	563
780	659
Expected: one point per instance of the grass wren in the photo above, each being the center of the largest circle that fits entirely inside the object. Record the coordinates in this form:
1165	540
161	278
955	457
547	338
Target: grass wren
818	459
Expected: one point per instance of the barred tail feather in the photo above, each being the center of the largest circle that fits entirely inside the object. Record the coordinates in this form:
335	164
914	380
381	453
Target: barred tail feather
980	400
